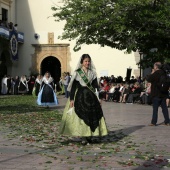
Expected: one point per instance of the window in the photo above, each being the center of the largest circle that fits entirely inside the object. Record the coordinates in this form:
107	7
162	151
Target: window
4	14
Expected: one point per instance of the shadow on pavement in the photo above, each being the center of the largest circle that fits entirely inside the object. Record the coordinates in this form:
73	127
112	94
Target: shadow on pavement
117	135
113	136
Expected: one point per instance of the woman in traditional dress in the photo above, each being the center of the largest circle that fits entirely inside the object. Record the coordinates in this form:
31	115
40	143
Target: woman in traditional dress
23	86
60	87
86	119
37	84
31	83
4	87
47	96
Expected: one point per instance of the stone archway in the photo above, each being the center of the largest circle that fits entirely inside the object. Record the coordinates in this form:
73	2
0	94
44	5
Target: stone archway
42	51
53	66
41	58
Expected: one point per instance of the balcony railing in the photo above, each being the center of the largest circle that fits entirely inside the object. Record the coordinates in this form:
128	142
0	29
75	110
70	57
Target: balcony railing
5	32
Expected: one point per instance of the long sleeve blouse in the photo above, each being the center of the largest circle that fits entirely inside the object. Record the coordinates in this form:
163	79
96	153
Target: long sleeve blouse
76	85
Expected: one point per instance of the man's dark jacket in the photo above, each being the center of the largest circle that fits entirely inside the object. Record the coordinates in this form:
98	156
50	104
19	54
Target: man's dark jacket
154	79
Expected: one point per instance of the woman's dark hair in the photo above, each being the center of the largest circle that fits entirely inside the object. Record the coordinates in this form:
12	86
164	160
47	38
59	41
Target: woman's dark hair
83	57
47	72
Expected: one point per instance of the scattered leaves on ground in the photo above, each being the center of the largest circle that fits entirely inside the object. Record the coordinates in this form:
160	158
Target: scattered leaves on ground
38	127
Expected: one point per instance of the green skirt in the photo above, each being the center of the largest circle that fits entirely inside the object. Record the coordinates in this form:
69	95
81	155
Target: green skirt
61	91
72	125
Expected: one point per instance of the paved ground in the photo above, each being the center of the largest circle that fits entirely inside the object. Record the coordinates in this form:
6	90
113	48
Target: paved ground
131	144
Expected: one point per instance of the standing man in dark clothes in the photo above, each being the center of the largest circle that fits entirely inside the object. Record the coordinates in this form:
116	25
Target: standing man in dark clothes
16	84
31	83
158	98
8	84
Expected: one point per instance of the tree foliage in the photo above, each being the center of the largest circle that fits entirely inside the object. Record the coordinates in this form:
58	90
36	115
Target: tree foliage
131	25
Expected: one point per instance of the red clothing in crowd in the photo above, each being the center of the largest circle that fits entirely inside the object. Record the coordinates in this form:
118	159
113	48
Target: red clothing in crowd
106	88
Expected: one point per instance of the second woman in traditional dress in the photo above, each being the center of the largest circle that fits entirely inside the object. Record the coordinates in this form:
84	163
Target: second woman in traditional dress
37	84
47	96
60	87
23	86
86	119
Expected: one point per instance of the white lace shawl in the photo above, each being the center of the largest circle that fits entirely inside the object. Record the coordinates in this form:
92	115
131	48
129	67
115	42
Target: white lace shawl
90	75
47	81
39	81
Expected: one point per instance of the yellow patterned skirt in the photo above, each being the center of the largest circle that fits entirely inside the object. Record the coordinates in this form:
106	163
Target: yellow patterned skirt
72	125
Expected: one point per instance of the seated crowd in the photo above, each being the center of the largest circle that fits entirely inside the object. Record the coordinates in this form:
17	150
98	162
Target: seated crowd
111	88
135	91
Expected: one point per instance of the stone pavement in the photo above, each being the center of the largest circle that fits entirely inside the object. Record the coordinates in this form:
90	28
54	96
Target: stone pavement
130	138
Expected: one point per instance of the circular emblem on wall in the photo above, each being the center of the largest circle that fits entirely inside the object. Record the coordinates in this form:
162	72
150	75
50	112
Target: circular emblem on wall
14	45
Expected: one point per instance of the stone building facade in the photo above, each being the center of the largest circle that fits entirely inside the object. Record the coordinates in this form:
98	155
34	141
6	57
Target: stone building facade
44	51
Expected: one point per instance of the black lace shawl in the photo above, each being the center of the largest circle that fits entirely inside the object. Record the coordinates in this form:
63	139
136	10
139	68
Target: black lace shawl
87	106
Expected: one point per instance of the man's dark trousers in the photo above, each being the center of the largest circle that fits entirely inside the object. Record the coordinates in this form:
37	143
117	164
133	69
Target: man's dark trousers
66	92
156	103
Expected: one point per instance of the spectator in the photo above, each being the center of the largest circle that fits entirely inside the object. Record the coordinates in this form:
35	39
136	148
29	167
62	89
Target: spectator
60	86
31	83
111	92
119	79
8	84
66	83
121	90
11	26
4	85
16	84
105	82
126	93
145	96
135	93
116	94
12	85
3	24
101	81
158	97
104	90
168	99
112	79
16	27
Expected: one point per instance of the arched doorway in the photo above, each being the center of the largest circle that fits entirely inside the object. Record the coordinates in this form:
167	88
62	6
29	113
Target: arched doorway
5	63
52	65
